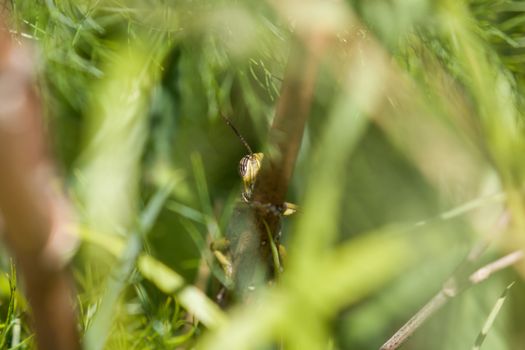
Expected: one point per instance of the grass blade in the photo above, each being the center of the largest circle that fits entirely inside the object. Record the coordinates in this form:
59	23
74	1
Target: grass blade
491	318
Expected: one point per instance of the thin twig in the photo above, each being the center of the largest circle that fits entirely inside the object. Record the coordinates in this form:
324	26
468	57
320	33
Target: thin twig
486	271
416	321
464	208
99	329
451	288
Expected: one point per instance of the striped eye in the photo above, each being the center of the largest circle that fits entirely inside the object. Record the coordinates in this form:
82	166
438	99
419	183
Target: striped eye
243	165
249	167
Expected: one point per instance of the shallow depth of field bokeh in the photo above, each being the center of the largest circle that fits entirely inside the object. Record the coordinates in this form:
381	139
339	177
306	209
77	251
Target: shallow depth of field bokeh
412	154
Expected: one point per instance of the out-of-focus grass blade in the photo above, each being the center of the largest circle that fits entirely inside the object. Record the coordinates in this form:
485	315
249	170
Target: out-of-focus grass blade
186	212
491	318
465	208
115	136
190	297
204	196
200	180
24	344
97	333
317	227
158	273
152	211
355	269
163	277
205	251
363	265
205	310
181	339
245	331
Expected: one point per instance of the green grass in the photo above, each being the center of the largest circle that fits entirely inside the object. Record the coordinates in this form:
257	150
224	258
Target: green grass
14	334
412	151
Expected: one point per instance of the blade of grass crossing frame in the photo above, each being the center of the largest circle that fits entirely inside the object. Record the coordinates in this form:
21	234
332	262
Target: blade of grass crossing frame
152	210
343	132
97	333
275	252
185	211
205	251
204	196
491	318
164	278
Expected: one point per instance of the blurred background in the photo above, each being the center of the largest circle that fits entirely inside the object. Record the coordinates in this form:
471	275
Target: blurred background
412	155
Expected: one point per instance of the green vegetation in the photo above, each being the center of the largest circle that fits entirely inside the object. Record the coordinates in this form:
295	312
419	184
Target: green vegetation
412	155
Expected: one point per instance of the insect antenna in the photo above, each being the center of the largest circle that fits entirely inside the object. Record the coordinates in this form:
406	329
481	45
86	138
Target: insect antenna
229	122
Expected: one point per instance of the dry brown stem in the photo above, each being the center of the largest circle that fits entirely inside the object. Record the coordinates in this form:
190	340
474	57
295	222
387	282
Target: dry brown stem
251	225
34	212
459	281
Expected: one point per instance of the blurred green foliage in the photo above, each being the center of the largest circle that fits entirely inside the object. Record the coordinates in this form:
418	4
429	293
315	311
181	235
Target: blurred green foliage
417	111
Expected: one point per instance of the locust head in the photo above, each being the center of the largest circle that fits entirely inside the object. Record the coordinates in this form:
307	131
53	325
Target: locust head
248	169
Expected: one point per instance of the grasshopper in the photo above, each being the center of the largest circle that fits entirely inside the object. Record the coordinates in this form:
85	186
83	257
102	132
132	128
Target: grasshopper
240	251
249	167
